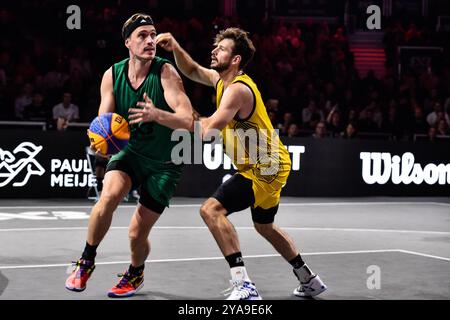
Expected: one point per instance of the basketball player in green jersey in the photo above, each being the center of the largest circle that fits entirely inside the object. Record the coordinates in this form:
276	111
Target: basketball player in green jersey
146	161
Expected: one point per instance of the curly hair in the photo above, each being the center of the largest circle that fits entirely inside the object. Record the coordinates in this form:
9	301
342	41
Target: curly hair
243	45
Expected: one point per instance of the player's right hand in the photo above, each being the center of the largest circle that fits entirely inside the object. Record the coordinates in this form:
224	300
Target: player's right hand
166	41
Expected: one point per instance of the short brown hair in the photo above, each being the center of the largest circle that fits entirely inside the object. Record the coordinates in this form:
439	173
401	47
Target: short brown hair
243	46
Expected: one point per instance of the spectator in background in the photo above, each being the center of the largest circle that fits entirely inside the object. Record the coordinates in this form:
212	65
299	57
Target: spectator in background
65	112
272	105
288	119
274	119
352	115
23	100
431	135
391	123
334	123
431	100
367	122
37	110
350	131
274	112
315	119
311	113
293	130
433	117
418	124
320	131
375	114
442	128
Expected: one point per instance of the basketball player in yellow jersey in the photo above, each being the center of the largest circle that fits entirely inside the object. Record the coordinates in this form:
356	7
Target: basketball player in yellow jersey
256	184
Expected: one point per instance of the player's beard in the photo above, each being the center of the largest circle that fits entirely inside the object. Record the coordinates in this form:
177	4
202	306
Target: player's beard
220	67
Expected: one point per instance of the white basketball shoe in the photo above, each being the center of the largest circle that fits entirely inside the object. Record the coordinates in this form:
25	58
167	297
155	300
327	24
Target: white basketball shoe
242	290
311	288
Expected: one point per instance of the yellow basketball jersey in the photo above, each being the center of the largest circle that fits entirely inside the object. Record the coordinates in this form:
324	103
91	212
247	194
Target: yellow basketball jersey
253	145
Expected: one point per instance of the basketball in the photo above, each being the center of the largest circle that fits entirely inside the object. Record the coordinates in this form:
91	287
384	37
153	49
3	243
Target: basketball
109	133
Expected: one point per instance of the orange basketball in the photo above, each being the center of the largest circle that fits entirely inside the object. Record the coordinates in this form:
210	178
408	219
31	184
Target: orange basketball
109	133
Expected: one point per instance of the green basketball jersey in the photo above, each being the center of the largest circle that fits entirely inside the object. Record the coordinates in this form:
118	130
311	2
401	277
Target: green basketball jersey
150	140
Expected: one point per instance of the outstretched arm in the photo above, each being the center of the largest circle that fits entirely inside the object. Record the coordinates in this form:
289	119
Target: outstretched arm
181	118
185	63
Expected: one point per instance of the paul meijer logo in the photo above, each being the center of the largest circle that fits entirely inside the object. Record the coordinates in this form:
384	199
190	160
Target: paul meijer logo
22	158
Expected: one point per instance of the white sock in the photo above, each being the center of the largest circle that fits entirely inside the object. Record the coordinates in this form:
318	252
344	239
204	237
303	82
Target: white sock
304	273
239	274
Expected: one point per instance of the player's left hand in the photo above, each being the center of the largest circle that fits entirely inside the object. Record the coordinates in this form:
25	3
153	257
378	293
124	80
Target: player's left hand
147	113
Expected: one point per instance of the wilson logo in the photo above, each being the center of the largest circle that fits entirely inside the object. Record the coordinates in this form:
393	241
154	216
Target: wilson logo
22	158
380	167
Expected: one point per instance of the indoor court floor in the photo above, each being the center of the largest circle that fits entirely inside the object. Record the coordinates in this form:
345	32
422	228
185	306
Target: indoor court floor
363	248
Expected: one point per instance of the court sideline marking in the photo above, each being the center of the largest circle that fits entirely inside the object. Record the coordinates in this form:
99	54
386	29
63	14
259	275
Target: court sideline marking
240	228
221	258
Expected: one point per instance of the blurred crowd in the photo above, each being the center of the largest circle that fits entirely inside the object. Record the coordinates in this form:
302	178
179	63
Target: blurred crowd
305	71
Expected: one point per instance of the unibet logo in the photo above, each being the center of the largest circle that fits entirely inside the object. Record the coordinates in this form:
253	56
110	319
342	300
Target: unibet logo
380	167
